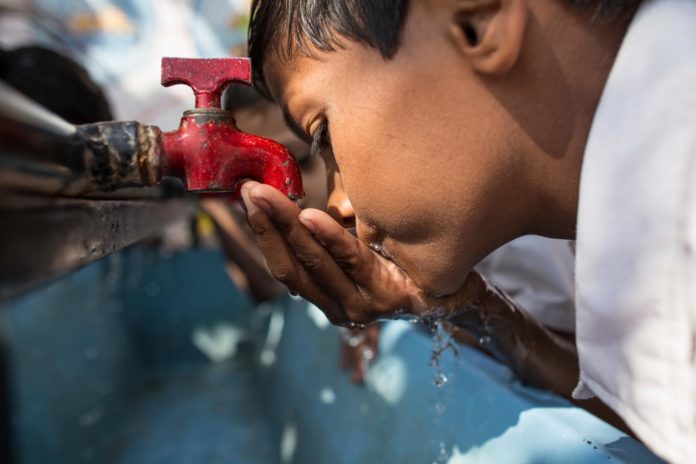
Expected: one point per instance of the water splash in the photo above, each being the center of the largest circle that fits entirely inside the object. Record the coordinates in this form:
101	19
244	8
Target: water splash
440	379
352	338
442	342
353	325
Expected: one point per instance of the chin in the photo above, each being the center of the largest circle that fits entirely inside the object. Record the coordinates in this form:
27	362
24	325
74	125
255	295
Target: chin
438	286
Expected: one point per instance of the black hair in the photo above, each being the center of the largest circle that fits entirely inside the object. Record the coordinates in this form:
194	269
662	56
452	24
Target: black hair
291	26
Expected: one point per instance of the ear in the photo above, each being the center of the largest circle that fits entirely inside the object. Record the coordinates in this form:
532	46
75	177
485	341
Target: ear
489	33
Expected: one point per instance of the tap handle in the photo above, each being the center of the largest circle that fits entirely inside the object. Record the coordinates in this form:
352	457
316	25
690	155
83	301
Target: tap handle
208	77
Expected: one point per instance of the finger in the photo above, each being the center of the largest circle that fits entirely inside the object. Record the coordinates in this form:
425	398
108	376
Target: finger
380	279
353	256
313	256
282	263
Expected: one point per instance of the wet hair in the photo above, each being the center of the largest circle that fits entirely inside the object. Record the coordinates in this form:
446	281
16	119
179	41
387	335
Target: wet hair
289	27
292	26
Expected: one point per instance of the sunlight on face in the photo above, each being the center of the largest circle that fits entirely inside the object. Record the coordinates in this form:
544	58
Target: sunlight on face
423	169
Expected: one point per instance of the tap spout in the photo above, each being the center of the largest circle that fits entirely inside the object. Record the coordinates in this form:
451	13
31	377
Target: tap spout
210	154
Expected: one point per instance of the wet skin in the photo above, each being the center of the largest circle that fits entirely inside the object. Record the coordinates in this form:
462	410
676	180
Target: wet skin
439	155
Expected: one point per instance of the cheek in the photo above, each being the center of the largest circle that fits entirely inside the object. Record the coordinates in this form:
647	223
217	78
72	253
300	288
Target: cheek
437	267
397	178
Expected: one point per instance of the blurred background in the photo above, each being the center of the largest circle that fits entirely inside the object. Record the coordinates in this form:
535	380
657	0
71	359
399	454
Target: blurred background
121	44
141	326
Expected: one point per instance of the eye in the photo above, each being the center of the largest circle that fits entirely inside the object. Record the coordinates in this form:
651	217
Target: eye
320	139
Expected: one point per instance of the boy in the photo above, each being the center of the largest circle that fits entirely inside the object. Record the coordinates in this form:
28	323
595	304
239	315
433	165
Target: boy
457	126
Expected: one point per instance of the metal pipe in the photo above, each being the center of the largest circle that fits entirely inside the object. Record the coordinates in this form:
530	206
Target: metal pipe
20	109
29	132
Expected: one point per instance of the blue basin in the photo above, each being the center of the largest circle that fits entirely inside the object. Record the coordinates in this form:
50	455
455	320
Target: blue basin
151	358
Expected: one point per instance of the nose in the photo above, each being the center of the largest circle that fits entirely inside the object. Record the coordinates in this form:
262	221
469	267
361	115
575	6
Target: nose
338	205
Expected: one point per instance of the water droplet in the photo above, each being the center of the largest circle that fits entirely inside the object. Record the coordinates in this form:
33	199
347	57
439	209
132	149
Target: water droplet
443	455
351	337
353	325
440	380
442	342
440	408
484	340
376	247
327	395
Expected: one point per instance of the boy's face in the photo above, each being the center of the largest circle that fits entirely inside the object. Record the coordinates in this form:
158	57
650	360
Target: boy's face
426	156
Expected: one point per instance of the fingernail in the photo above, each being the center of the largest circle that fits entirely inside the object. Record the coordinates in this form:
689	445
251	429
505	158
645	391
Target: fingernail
254	203
249	205
308	223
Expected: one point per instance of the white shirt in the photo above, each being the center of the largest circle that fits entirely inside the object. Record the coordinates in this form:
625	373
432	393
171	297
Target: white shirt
636	237
538	273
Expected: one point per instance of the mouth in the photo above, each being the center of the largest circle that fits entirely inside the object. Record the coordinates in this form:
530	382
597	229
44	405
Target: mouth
380	249
428	288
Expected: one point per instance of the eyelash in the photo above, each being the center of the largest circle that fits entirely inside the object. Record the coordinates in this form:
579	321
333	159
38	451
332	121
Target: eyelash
320	139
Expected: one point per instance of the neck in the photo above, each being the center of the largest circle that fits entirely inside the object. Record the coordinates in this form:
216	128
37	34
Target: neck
566	66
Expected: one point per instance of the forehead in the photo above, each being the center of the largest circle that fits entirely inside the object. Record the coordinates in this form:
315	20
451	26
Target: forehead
319	80
288	77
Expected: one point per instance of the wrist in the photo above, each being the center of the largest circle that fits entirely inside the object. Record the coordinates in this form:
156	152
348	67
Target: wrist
474	314
498	324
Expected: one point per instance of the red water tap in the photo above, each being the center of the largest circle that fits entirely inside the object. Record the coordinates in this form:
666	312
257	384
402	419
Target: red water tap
207	150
